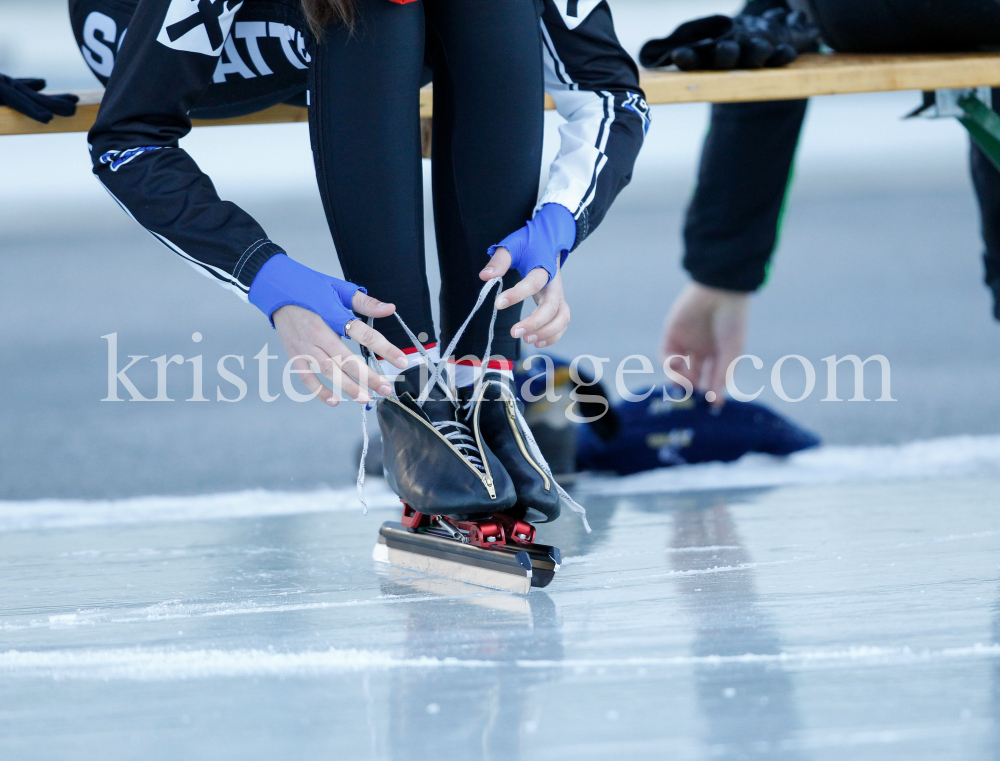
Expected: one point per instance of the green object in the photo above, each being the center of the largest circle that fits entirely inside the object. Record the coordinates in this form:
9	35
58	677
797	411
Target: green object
983	124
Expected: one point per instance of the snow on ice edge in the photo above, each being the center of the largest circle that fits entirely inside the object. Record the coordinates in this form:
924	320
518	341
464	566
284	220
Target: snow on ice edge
932	458
148	664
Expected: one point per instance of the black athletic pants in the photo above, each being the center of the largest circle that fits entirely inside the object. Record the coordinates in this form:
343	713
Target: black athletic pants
487	140
486	60
732	222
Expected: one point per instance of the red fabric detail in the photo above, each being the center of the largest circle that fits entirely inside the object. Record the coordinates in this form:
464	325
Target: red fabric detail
495	364
402	2
412	349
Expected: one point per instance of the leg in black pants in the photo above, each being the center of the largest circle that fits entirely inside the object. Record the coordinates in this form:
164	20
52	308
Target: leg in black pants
986	179
365	131
487	151
364	122
732	222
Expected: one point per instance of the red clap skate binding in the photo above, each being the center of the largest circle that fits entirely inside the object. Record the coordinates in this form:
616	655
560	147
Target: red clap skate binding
488	533
498	551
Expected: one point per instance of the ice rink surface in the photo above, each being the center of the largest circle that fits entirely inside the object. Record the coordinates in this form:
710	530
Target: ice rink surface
857	619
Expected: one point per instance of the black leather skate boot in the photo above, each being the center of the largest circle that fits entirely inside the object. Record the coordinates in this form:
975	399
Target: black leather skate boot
491	409
432	460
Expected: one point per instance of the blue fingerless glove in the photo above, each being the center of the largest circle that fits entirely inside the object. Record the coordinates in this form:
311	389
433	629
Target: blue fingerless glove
544	240
283	281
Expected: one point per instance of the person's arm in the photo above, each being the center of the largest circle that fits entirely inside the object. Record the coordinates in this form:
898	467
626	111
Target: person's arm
595	86
730	234
733	221
165	63
986	180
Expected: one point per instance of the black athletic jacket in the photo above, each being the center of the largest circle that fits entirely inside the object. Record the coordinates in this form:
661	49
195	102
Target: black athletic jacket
595	86
175	49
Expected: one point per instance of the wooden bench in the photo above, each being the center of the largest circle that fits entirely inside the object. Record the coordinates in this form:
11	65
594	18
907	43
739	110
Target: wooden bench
812	74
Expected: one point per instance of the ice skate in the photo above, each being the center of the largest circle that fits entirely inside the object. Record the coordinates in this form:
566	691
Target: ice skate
432	460
454	493
491	410
462	516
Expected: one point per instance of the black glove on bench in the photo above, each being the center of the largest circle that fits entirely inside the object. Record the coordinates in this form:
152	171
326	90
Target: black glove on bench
23	95
745	42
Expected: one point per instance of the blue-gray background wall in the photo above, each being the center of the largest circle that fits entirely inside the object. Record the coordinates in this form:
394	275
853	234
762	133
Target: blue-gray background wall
880	255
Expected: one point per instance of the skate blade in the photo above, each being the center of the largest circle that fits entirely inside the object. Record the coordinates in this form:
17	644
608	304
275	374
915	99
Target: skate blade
509	571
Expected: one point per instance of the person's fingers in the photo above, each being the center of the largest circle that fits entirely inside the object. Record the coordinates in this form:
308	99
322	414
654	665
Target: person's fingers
728	351
685	369
729	326
545	334
332	369
707	369
312	383
305	335
370	306
498	265
717	382
542	315
366	335
330	366
673	346
356	367
551	341
537	279
668	342
697	368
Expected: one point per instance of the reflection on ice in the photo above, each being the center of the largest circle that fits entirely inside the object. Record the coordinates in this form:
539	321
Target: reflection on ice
749	709
849	621
475	712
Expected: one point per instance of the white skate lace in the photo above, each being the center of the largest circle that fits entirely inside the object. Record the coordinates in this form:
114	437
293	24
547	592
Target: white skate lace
536	453
460	438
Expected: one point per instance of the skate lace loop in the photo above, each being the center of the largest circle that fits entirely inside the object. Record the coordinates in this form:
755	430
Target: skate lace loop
536	453
460	438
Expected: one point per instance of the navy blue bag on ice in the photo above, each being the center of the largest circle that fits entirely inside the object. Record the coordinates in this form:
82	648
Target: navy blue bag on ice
631	437
655	433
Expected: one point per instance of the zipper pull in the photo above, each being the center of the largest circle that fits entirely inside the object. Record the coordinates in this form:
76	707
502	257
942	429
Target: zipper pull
488	483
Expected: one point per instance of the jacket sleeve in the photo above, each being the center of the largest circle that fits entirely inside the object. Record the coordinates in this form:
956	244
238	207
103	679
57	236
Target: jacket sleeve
166	61
595	86
734	218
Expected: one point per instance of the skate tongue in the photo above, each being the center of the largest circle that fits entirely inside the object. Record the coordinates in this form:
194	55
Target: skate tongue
439	411
437	408
433	411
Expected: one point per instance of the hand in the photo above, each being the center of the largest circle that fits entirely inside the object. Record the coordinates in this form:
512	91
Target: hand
305	333
547	323
709	326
